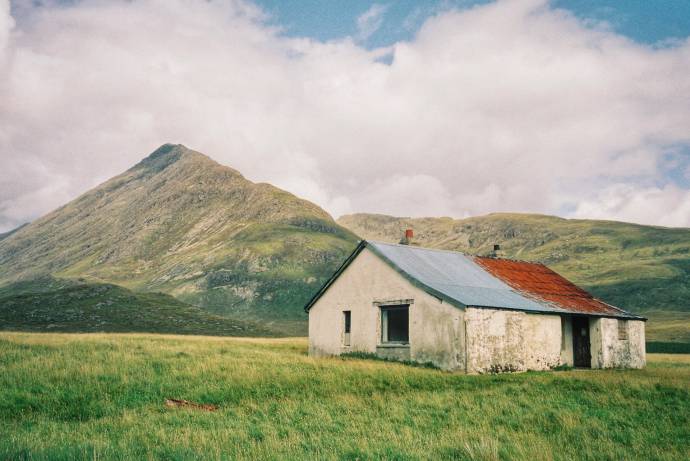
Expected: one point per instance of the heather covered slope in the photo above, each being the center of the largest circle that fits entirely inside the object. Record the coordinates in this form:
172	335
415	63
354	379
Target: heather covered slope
180	223
67	306
644	269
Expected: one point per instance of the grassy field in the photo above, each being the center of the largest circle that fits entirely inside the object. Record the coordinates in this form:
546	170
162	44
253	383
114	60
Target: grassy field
101	396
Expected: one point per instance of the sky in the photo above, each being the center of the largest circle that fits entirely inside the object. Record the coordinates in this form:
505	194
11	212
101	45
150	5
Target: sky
577	108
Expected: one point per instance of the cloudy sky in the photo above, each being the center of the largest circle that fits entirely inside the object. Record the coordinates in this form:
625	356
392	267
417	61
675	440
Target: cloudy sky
579	108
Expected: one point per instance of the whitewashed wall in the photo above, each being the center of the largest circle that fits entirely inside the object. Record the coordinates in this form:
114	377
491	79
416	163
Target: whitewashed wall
436	327
608	351
502	340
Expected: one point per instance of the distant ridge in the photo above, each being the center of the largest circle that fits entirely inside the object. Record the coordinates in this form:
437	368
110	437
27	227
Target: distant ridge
88	307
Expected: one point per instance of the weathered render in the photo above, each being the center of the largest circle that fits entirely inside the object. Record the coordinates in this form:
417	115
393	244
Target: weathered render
502	340
356	312
436	327
609	350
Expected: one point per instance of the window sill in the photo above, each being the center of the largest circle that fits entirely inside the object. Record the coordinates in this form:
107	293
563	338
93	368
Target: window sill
394	345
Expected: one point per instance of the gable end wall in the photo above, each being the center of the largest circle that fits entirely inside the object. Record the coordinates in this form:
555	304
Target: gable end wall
436	327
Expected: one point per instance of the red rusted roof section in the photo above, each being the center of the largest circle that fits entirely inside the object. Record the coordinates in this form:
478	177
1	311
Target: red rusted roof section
540	282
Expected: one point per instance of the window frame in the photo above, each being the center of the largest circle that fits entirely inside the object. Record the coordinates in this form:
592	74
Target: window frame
383	314
347	327
623	333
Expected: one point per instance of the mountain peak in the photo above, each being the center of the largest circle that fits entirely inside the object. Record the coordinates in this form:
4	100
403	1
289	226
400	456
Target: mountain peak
166	155
168	149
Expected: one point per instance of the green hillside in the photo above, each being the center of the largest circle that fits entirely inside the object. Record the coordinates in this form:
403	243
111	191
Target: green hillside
643	269
182	224
86	307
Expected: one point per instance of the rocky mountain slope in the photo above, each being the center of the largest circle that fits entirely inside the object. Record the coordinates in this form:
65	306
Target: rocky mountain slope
644	269
180	223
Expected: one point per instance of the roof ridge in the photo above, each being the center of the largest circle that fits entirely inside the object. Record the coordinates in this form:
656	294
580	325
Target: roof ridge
499	258
469	255
440	250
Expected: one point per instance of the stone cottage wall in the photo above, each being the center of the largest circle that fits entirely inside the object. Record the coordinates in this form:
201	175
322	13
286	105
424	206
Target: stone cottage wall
502	340
436	327
610	351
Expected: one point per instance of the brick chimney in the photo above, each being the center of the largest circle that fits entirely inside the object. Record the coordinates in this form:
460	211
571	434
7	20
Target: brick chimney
407	237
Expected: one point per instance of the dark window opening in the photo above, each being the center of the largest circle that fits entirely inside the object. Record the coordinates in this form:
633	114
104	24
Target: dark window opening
347	317
395	324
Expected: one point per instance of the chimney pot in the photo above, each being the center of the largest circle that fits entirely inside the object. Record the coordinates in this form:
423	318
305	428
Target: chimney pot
407	237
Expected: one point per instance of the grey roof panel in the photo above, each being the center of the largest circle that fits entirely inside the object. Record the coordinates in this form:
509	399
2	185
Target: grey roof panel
456	276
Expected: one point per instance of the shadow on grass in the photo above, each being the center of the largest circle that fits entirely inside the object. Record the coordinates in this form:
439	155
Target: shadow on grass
372	356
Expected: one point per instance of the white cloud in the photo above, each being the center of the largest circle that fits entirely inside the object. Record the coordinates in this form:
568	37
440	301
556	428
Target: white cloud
370	21
511	106
6	25
664	206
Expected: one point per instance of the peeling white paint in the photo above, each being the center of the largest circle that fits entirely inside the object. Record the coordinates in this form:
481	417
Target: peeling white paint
530	341
608	351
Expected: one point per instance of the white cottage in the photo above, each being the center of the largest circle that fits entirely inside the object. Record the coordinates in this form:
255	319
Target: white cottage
467	313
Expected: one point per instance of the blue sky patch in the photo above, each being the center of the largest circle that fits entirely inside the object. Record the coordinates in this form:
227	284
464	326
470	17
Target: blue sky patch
651	22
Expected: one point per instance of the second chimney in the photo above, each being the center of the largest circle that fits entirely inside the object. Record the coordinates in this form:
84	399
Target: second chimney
407	237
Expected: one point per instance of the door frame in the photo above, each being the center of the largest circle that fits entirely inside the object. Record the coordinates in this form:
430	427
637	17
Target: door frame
581	360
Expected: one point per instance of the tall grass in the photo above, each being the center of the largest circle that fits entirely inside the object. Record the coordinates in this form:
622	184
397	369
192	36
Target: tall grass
101	396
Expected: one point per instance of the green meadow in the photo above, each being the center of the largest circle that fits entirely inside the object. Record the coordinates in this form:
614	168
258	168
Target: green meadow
102	396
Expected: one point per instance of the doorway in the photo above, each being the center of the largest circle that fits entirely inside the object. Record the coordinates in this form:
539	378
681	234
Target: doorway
582	356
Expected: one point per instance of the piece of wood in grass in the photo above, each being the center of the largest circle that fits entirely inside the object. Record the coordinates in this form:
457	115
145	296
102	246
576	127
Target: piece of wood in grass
179	403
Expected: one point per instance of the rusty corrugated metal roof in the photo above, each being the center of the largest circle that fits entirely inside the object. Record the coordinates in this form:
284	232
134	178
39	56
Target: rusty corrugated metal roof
541	283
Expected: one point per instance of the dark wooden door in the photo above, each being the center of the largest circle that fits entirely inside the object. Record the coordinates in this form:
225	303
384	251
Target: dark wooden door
581	353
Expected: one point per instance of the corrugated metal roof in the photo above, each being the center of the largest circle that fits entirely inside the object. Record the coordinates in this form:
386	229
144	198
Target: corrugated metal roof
540	282
455	276
483	282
